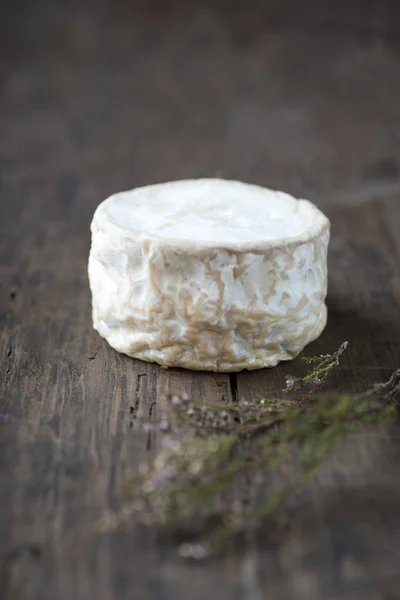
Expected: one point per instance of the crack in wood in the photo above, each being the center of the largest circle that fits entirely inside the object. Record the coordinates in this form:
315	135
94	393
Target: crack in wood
233	386
135	407
152	408
245	494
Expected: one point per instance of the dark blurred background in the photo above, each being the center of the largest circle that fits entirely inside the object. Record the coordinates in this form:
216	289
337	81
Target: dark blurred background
303	96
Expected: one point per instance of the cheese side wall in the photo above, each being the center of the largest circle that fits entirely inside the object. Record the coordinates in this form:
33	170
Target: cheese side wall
213	309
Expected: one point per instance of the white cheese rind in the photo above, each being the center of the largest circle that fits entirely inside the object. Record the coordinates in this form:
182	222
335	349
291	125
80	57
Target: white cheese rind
197	304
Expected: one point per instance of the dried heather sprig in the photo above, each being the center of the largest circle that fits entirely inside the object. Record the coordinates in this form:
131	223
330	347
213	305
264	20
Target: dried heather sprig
206	449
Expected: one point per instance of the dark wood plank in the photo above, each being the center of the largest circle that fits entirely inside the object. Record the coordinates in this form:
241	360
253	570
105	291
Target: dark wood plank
98	97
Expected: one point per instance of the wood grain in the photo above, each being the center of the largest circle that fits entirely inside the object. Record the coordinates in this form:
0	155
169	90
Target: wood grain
100	97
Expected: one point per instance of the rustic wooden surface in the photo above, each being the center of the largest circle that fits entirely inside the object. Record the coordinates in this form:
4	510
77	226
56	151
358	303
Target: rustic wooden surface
98	97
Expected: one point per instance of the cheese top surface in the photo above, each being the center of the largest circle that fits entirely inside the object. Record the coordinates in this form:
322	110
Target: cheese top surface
210	210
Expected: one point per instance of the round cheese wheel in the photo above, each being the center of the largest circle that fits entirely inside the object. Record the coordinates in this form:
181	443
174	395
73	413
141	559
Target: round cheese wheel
208	274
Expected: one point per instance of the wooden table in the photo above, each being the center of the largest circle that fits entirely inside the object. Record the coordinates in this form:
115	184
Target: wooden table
98	97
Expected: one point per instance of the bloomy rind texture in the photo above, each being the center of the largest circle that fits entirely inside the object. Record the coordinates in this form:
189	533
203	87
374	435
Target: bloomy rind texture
207	308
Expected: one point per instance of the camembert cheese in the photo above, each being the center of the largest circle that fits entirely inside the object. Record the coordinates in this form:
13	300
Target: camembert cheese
208	274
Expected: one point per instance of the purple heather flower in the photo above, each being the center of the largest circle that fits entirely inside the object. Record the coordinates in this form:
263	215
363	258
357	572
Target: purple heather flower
290	384
175	399
315	381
